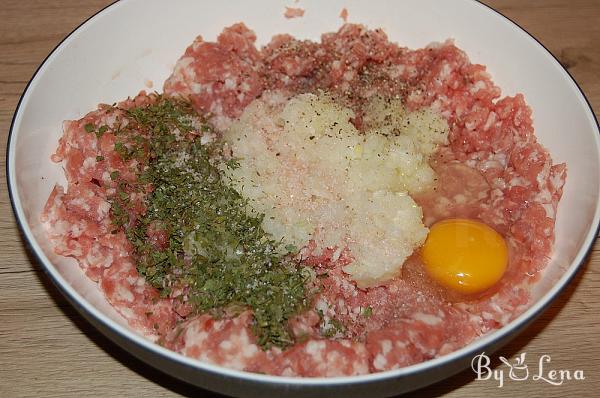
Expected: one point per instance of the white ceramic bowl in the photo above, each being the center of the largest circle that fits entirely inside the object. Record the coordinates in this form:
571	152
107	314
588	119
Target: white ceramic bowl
126	45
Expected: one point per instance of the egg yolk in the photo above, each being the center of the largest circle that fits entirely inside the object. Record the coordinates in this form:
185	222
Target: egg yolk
465	255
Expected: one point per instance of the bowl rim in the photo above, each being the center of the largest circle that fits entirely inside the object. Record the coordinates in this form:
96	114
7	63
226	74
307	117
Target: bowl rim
149	347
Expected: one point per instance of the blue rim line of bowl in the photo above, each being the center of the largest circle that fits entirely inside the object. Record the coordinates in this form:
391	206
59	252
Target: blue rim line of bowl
88	310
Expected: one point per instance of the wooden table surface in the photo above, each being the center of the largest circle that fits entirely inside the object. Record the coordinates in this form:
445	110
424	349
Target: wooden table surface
47	349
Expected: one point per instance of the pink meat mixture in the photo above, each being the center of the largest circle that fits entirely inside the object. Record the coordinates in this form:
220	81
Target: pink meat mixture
293	12
493	170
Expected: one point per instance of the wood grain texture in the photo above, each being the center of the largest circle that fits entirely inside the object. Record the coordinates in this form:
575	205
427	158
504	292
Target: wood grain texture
47	349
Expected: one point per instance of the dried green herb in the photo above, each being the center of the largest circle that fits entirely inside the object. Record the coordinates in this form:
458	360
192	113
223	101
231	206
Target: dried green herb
100	132
89	127
200	233
331	327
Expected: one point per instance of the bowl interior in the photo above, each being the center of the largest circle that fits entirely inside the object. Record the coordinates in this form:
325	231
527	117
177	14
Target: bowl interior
133	45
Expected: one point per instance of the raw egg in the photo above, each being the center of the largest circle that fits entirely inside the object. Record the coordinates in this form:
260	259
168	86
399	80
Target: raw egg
465	255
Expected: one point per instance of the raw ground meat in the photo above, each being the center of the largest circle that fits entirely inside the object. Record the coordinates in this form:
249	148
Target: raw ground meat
219	78
344	14
493	170
229	342
321	358
292	12
80	225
